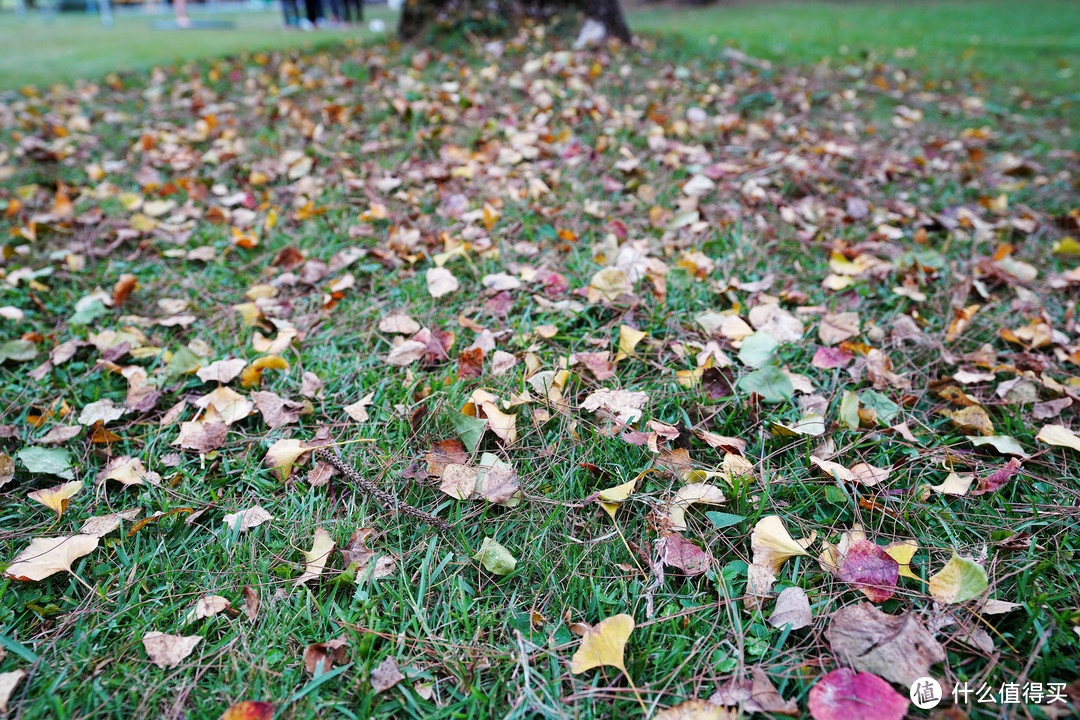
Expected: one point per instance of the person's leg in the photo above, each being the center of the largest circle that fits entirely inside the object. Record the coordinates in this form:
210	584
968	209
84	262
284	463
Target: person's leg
291	13
181	13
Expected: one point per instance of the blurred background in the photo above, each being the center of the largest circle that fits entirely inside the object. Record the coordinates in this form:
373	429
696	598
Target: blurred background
1034	44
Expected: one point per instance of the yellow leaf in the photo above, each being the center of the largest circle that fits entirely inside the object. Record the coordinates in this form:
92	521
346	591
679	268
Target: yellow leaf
628	340
902	551
973	418
502	424
611	498
603	644
47	556
959	581
252	374
1059	435
773	545
316	558
56	498
696	710
608	284
283	454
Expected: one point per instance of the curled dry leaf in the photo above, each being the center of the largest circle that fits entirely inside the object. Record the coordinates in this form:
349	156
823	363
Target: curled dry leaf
603	644
168	651
57	498
688	495
386	675
896	647
244	520
128	470
206	606
7	469
685	555
317	557
1059	435
276	410
251	602
792	608
399	323
319	658
222	371
772	545
756	695
359	557
358	410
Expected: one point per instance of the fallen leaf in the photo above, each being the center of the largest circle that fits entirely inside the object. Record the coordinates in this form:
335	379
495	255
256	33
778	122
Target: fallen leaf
954	484
251	602
896	647
997	479
358	410
285	453
319	658
101	525
495	558
772	545
222	371
56	498
386	675
871	569
1004	444
206	606
845	695
755	695
611	498
695	710
1050	434
7	469
102	411
249	710
960	580
406	352
835	328
440	281
603	645
902	551
276	410
688	495
685	555
8	682
399	323
244	520
624	405
971	419
128	471
359	557
316	558
47	461
792	609
168	651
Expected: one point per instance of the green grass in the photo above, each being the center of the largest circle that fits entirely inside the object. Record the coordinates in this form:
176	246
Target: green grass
1033	46
445	619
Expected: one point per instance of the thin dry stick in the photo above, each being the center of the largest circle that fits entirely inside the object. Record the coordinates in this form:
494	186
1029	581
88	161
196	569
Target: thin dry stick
389	501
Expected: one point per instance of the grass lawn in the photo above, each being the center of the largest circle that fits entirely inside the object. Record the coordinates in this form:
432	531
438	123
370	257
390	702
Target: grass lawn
1033	46
548	297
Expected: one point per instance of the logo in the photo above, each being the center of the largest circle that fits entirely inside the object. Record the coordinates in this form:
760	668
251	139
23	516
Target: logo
925	693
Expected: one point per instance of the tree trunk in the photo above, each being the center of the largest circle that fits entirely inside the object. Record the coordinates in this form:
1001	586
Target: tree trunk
609	13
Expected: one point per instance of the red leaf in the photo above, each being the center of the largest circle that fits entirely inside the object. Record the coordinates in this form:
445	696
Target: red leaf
997	479
846	695
868	567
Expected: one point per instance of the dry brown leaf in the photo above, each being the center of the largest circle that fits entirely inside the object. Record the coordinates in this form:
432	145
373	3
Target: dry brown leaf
386	675
251	602
244	520
206	606
168	651
102	525
896	647
319	658
792	608
8	682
